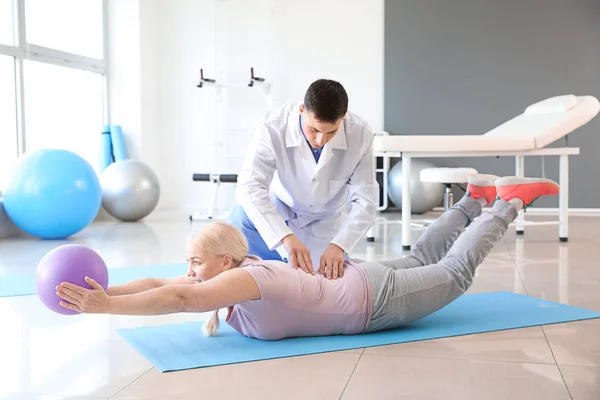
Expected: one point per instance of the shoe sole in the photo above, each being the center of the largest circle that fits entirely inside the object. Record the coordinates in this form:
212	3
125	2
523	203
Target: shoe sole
483	180
515	180
533	188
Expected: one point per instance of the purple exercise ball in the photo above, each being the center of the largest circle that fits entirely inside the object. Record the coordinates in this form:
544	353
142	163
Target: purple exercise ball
69	263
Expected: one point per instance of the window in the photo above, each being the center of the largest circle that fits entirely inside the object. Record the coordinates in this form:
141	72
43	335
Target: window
52	81
8	118
6	22
63	109
73	26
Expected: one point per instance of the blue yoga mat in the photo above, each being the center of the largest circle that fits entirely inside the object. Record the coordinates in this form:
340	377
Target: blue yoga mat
24	284
182	346
118	143
106	152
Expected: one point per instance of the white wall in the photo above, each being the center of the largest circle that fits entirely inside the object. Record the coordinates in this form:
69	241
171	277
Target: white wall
158	46
124	70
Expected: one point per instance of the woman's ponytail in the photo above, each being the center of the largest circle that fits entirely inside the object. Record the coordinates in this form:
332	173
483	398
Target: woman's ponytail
210	327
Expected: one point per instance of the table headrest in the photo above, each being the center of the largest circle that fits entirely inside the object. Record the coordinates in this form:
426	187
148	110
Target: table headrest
557	104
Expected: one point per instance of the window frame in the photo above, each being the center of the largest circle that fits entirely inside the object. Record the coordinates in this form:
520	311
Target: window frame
22	51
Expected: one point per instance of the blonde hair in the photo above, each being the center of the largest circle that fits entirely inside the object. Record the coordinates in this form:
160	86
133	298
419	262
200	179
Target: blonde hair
217	240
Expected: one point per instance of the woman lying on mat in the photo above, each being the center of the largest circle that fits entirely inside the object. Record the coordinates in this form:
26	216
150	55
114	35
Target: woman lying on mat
269	300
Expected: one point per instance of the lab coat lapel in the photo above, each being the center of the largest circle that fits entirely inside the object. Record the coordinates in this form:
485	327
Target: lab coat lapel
295	139
326	155
337	143
307	159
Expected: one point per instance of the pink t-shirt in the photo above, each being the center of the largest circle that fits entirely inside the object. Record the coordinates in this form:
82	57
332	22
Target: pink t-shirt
294	303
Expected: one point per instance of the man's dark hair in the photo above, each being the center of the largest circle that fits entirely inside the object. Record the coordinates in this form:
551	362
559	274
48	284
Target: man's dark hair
327	99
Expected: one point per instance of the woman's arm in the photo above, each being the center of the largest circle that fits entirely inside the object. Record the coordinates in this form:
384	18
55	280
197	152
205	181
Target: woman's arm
229	288
142	285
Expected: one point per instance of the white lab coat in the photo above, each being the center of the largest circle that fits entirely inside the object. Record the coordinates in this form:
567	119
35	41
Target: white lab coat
284	190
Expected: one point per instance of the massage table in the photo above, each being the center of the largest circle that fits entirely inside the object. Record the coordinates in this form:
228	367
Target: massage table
527	134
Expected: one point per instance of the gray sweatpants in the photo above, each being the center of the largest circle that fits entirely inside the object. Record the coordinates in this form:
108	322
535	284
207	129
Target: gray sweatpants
441	266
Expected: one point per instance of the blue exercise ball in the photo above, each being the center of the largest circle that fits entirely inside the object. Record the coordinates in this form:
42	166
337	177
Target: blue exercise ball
53	194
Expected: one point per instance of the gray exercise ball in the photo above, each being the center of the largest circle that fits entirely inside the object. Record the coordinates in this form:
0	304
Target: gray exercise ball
424	196
130	190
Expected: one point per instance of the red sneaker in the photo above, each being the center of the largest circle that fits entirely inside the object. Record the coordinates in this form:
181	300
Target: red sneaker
527	190
482	185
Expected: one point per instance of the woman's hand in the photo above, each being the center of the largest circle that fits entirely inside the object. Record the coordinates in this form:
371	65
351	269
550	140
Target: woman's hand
94	301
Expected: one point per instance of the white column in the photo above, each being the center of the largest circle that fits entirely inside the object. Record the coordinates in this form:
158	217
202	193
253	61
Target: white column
371	232
371	253
563	199
520	171
406	206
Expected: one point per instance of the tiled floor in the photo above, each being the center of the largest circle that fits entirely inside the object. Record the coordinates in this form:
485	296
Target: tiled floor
48	356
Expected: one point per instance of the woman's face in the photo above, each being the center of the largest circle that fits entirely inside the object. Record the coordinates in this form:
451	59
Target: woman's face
202	267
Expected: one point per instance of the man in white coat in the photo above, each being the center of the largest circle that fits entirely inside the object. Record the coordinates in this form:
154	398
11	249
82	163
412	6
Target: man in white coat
307	189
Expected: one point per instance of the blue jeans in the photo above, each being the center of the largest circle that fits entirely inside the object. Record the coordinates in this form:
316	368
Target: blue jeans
256	245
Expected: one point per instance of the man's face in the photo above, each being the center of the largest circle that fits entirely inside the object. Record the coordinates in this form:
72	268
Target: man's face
318	133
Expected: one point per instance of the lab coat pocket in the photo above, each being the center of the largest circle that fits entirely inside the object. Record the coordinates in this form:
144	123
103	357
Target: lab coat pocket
335	186
326	229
